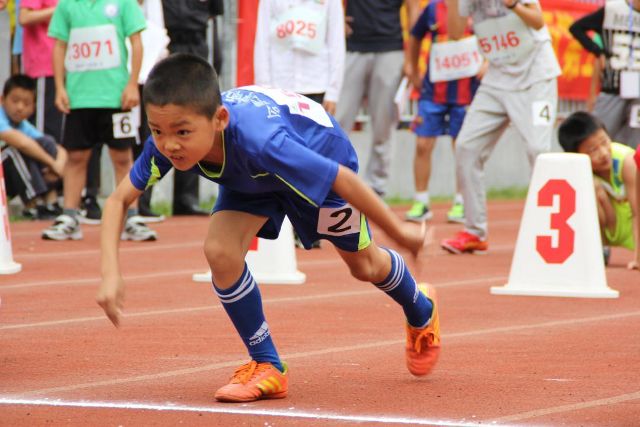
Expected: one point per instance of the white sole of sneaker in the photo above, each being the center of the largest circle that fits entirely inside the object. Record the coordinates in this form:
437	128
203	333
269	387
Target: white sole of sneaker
423	218
74	236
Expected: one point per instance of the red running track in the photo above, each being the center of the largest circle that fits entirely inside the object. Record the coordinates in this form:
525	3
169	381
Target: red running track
506	360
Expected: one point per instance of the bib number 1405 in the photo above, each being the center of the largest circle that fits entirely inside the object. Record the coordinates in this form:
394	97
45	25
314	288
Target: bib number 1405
563	249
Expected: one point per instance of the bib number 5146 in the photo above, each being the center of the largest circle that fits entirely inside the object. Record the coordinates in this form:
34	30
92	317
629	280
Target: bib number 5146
563	249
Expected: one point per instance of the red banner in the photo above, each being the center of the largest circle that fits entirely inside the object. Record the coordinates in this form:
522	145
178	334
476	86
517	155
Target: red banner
576	63
246	34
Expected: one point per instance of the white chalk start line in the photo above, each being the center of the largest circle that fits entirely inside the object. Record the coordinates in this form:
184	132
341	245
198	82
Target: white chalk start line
225	409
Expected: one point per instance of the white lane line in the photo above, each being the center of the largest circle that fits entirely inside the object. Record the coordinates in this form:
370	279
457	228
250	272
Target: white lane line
138	247
225	409
328	350
217	306
571	407
96	280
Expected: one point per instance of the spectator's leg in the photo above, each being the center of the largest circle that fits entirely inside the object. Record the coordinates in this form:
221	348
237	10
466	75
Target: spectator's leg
74	178
385	78
533	114
357	73
611	110
484	123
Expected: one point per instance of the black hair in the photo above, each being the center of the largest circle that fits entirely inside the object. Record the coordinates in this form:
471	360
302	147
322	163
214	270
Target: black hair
186	80
19	81
576	128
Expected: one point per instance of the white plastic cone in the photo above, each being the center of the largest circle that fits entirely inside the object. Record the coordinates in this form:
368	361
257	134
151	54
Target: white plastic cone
272	261
559	249
7	265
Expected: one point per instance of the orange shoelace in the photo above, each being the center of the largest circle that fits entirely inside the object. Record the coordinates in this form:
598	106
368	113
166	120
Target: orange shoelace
426	335
244	373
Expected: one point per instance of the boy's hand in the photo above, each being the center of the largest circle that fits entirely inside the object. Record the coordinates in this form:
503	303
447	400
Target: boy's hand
58	166
130	96
62	100
111	298
413	237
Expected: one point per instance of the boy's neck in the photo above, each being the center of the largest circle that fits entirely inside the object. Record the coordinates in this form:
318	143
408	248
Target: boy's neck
216	155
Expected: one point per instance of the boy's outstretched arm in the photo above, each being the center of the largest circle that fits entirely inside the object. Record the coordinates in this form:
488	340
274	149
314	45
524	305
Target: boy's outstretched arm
111	293
350	187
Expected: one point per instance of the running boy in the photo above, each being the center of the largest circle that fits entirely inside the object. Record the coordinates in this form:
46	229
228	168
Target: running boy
614	173
96	92
33	162
445	91
274	153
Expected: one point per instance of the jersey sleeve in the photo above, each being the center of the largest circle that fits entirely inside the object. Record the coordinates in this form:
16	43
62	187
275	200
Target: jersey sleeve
30	130
150	167
422	27
59	26
307	173
132	19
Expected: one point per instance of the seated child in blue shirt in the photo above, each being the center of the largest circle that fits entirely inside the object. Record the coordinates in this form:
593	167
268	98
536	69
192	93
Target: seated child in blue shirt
32	161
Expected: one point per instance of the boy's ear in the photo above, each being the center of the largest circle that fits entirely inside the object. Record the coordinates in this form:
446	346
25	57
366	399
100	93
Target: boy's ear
221	118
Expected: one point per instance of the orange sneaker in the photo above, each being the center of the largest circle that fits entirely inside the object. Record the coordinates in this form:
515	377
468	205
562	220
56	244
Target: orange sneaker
423	344
465	242
255	381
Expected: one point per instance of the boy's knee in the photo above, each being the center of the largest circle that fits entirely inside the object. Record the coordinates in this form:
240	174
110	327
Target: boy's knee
219	257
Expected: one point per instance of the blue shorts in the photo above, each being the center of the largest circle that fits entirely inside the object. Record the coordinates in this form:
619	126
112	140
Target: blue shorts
335	221
439	119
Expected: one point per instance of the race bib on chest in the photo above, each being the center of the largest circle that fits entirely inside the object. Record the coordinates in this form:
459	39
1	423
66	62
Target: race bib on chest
297	104
454	60
302	27
504	40
92	49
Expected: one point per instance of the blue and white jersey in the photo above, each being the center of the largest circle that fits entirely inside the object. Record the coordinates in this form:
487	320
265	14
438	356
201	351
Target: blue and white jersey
276	141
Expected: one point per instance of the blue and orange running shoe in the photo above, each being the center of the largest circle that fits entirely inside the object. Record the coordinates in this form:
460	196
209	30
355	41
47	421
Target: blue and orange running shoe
423	344
254	381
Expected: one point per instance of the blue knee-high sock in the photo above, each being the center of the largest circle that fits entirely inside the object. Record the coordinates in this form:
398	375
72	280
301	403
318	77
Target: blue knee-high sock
243	304
401	286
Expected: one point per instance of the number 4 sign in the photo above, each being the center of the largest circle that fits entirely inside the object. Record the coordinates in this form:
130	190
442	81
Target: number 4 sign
559	249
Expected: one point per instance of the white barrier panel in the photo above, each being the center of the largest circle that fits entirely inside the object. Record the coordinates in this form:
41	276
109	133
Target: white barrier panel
271	262
7	265
559	248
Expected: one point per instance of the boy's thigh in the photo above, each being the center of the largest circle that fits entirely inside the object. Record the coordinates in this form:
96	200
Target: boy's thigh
533	113
623	233
432	119
335	220
86	127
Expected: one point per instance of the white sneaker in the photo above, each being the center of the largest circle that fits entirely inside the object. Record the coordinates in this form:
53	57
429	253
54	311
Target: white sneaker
136	230
65	227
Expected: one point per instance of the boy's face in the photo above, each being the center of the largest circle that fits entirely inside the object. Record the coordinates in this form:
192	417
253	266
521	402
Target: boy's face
182	135
598	148
18	104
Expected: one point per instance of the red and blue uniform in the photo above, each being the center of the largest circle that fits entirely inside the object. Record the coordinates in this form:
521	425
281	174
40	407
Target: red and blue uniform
441	108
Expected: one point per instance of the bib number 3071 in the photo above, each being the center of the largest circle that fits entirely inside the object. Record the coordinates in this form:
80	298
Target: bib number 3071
559	252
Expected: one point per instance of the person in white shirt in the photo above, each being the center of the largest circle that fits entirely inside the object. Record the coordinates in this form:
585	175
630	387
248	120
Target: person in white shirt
300	47
519	88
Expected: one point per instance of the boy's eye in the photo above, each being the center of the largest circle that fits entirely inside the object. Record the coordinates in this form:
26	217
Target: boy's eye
183	132
155	131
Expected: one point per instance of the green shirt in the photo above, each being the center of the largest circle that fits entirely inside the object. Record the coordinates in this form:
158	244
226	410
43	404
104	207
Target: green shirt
95	30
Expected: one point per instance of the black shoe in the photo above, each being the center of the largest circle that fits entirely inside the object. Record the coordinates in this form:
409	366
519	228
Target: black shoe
606	254
189	210
91	212
48	212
